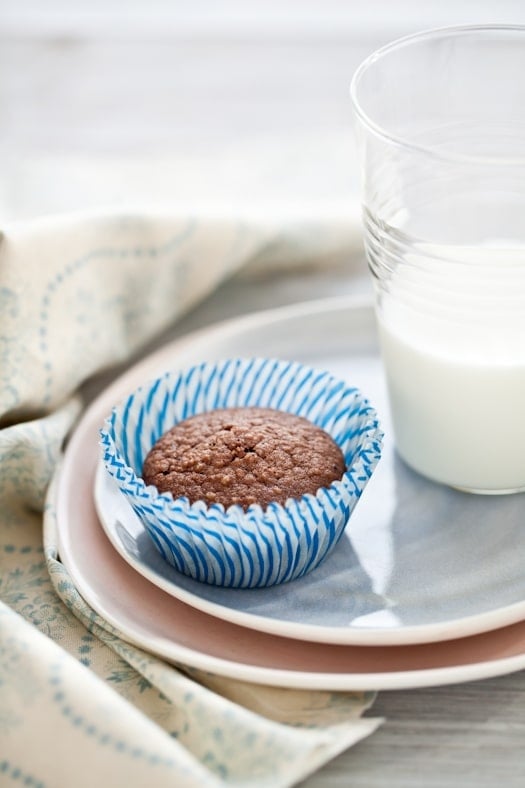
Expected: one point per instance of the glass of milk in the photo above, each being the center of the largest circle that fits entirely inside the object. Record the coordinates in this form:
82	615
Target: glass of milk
440	119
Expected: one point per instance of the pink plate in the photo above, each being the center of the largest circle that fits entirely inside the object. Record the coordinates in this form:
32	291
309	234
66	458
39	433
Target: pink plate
164	625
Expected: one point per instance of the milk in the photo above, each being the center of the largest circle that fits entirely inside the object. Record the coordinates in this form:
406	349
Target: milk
452	332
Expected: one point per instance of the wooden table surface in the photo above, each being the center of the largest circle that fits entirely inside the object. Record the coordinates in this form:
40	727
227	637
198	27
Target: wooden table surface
265	101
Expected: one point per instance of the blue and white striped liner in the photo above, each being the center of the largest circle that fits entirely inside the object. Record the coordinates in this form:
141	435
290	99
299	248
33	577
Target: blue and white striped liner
235	548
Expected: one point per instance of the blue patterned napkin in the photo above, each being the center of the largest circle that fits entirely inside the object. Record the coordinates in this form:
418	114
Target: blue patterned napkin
79	705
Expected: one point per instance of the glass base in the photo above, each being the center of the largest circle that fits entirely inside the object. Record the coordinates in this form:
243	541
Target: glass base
473	491
459	487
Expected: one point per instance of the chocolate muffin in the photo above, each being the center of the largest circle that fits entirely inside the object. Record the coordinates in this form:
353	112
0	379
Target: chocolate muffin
243	456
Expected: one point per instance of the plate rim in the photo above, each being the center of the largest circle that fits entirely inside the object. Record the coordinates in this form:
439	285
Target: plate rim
175	652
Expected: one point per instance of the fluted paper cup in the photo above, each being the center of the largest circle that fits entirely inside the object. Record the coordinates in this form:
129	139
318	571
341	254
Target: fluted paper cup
237	548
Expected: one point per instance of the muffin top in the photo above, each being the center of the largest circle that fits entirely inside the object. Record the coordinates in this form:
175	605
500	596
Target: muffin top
243	456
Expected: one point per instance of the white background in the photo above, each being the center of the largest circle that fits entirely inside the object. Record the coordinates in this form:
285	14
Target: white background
197	101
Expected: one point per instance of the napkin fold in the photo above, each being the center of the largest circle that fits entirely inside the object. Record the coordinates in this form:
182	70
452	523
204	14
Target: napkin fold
78	295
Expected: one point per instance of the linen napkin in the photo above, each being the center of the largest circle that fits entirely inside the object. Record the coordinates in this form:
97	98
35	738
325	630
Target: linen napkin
78	704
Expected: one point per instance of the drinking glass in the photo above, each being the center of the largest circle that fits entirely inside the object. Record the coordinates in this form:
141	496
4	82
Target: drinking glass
440	121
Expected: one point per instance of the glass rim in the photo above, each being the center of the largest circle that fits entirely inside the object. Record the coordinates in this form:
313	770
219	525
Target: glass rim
399	141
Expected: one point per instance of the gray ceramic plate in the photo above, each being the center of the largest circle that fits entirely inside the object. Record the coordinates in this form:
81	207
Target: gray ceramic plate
419	562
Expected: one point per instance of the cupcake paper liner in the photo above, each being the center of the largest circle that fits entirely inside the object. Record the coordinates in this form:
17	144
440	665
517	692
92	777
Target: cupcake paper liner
237	548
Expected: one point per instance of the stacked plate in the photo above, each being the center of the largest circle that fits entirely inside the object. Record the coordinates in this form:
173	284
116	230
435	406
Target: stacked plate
426	587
